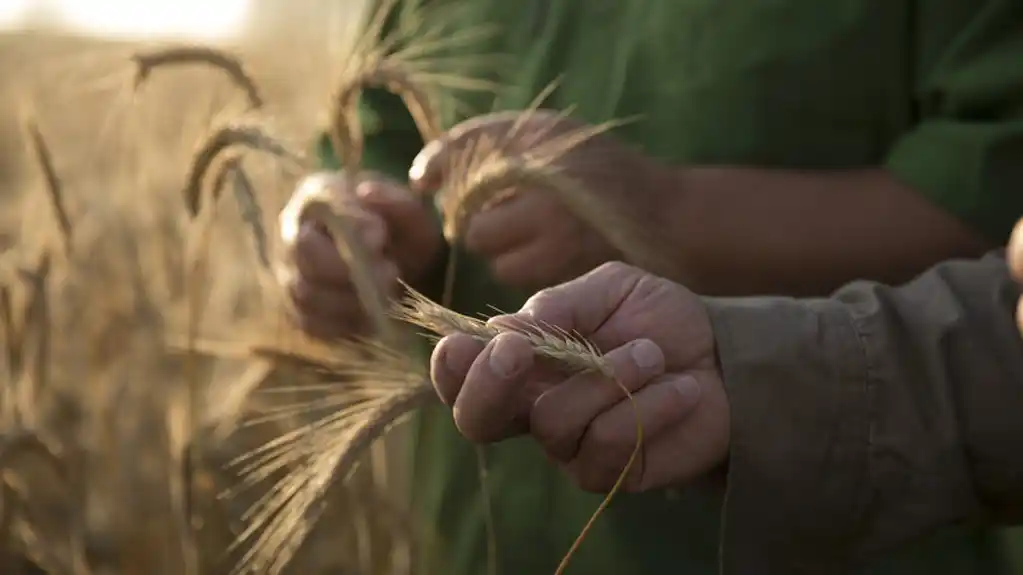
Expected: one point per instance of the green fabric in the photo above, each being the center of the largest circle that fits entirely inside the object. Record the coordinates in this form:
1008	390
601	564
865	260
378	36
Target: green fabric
922	87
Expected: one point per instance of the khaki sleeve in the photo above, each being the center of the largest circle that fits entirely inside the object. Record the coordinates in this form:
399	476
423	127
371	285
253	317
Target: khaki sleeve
866	420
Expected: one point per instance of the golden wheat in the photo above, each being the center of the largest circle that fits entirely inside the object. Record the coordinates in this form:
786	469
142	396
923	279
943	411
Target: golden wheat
146	62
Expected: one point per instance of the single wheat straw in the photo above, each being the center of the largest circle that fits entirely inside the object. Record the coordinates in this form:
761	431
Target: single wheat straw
54	190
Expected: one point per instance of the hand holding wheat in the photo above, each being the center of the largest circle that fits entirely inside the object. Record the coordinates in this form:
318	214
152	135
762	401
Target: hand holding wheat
397	231
659	342
552	198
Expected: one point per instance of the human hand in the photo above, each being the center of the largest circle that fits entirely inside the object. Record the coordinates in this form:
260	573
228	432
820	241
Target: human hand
531	239
1014	255
397	231
657	336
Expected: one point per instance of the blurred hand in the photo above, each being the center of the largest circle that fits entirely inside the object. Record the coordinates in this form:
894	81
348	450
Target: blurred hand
397	229
658	337
531	240
1014	254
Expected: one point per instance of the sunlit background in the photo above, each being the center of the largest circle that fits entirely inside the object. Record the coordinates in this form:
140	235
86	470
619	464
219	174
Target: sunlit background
207	20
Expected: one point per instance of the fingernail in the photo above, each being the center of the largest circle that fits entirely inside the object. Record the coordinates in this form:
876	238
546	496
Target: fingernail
450	362
687	386
418	169
647	354
505	360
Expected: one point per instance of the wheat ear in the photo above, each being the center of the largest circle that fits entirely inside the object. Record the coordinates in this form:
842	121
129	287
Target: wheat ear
146	62
346	130
376	385
250	135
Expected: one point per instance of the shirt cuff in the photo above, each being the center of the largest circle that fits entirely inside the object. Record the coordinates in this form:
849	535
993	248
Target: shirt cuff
796	375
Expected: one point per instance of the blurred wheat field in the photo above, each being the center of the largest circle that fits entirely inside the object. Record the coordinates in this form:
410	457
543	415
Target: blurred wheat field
100	387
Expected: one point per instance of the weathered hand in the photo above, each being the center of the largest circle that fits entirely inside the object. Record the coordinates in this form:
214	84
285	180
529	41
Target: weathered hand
531	240
1014	254
658	337
397	230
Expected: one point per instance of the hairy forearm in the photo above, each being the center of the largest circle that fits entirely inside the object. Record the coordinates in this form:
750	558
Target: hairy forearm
759	231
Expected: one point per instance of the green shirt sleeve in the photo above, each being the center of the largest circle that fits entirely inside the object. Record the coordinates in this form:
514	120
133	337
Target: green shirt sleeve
967	152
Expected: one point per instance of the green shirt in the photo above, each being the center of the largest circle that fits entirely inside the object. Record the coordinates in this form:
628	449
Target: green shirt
931	90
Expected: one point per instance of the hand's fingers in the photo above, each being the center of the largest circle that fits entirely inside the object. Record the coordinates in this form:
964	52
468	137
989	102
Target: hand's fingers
398	206
485	410
315	299
1019	315
317	257
1015	251
581	305
319	297
560	417
611	438
512	223
450	363
428	169
331	327
530	266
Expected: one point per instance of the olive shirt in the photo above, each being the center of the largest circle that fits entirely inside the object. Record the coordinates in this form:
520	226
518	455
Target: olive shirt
931	90
866	419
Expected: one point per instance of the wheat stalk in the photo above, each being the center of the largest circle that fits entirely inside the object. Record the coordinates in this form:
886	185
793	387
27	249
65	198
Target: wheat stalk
146	62
44	158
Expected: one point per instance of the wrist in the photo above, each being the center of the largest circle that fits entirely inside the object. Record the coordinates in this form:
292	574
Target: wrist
677	223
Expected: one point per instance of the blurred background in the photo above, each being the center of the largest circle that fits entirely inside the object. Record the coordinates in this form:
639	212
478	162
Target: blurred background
216	20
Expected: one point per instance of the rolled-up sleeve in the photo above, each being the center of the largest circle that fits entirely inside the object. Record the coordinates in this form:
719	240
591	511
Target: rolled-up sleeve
865	420
965	153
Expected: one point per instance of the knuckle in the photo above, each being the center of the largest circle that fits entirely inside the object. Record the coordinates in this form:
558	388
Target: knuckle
615	268
542	303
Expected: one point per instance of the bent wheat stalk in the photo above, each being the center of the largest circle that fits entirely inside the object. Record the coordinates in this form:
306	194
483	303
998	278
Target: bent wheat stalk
346	129
146	62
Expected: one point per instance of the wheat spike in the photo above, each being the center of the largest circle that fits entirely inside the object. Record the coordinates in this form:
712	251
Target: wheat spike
251	135
146	62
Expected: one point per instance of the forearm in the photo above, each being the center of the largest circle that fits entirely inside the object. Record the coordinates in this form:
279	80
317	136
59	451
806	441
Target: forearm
759	231
867	419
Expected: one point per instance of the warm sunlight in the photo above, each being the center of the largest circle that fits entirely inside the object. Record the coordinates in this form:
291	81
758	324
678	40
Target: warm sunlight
12	11
195	19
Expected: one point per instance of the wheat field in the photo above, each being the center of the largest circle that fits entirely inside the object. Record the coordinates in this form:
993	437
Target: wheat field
99	413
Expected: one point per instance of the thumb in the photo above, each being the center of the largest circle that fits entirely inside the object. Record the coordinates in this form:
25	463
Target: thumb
428	169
